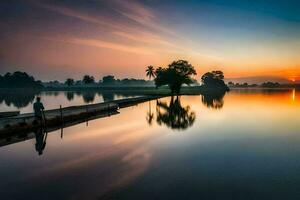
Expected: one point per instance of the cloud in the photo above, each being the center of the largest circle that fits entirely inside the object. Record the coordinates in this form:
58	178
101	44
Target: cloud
109	45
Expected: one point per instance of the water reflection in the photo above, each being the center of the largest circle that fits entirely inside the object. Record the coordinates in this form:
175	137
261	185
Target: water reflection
108	96
88	96
69	95
23	100
214	101
174	115
150	115
122	158
294	95
40	138
18	99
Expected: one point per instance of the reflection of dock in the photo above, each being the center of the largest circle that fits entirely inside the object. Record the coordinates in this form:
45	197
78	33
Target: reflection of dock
22	136
24	123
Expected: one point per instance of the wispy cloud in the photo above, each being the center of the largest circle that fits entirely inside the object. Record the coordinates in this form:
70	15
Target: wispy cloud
109	45
135	27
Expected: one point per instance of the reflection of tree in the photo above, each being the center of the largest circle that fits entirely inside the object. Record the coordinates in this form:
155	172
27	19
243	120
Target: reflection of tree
150	115
108	96
69	95
88	97
214	101
18	98
174	115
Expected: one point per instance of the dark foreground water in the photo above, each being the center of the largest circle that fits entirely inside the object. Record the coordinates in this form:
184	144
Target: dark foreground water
244	146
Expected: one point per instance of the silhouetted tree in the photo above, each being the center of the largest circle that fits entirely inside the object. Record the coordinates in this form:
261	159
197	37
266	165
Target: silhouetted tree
88	79
19	80
78	82
215	80
231	84
175	75
69	82
150	72
108	80
1	80
174	115
270	85
245	85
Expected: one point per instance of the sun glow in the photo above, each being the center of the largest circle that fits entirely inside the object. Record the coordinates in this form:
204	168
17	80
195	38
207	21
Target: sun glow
294	95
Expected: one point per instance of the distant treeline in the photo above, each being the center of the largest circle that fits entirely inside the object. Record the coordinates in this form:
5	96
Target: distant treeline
263	85
23	80
108	80
19	80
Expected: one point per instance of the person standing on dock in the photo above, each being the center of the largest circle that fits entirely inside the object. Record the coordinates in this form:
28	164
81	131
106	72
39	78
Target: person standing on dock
38	108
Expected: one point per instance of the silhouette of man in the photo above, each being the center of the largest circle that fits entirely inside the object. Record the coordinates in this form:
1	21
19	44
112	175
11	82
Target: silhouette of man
40	141
38	108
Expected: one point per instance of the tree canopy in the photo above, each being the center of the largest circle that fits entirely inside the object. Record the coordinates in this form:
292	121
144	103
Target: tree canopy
69	82
214	79
19	80
88	79
175	75
150	72
108	80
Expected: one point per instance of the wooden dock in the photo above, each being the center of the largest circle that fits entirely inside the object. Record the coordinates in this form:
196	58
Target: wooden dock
25	123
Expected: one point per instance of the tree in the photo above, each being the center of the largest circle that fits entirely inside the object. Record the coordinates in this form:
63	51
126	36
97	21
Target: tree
231	84
214	79
270	85
69	82
175	75
88	79
245	85
108	80
19	80
150	72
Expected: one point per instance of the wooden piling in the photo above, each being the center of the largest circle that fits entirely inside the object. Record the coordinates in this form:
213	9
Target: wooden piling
61	115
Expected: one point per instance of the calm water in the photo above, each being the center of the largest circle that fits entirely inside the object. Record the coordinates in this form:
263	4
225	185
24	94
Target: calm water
23	100
244	146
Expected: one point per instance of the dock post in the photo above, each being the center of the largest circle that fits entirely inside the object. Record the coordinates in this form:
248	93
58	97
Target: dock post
87	115
108	111
61	114
61	133
62	122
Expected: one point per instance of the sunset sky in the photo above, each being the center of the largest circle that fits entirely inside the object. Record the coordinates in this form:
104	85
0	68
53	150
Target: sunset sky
70	38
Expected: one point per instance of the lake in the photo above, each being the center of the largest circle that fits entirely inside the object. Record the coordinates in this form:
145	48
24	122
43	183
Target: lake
245	145
23	100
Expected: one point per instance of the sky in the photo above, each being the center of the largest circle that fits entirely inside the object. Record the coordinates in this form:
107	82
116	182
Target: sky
70	38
